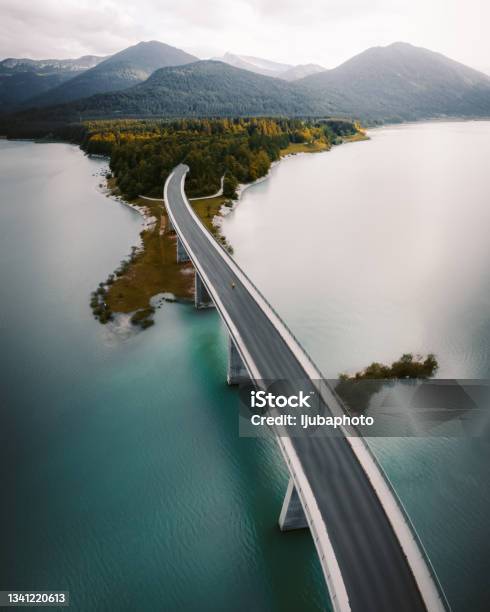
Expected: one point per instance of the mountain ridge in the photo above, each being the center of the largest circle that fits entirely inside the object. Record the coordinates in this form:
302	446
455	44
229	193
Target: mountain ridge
23	78
119	71
403	82
265	67
23	64
395	83
202	88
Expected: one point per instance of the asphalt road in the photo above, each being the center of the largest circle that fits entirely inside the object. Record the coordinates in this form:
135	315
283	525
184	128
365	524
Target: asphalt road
373	566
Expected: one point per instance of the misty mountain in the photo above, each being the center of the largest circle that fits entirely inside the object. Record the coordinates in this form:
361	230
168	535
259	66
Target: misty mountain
288	72
394	83
300	71
204	88
402	82
49	66
120	71
23	78
254	64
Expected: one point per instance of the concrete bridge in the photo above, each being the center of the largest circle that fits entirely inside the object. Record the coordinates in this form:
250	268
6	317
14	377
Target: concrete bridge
371	556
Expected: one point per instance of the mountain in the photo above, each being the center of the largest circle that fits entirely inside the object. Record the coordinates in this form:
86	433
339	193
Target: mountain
254	64
23	78
266	67
402	82
203	88
49	66
120	71
394	83
300	71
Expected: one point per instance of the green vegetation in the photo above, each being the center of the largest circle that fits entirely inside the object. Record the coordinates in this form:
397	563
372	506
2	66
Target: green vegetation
401	82
198	89
152	268
100	308
407	366
143	317
143	153
304	147
209	208
24	79
395	83
357	390
230	185
116	72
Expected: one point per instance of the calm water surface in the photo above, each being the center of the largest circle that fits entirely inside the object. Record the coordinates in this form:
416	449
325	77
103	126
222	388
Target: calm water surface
123	477
124	480
376	249
379	247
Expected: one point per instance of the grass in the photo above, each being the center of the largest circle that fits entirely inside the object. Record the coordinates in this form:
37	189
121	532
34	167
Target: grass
206	210
304	147
112	185
153	268
316	146
356	137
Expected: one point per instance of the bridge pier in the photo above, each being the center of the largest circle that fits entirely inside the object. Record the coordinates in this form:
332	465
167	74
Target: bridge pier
237	372
292	514
181	252
202	299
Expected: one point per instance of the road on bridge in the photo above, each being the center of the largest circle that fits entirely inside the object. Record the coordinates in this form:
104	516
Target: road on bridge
374	568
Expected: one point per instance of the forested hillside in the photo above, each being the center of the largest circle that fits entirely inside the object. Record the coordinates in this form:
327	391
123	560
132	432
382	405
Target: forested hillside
120	71
144	152
199	89
395	83
22	78
401	82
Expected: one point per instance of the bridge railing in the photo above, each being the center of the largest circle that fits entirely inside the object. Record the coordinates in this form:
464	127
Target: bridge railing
396	497
408	522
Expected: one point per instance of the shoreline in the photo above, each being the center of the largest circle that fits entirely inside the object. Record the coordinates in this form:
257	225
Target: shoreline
149	275
151	269
242	187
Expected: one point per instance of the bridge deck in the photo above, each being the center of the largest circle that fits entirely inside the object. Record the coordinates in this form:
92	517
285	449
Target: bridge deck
375	571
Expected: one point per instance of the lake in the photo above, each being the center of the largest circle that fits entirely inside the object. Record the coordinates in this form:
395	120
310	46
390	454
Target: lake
124	478
380	248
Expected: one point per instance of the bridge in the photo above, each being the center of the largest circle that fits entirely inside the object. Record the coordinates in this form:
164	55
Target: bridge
370	554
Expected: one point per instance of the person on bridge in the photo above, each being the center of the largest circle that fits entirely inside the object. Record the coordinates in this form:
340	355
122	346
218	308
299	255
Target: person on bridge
232	284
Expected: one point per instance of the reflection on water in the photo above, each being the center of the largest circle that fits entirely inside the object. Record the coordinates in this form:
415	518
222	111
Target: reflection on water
123	477
380	248
411	408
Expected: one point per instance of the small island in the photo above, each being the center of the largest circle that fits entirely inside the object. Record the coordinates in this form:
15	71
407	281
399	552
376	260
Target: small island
356	390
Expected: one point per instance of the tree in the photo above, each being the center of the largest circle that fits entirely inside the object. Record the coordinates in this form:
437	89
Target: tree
230	185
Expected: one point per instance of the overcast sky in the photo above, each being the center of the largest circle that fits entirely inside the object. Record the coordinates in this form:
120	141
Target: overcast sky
326	32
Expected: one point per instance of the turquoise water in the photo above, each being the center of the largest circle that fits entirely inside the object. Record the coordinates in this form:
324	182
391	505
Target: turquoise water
123	477
379	248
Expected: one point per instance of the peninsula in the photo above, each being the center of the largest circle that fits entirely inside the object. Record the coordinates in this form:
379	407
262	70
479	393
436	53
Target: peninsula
222	154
